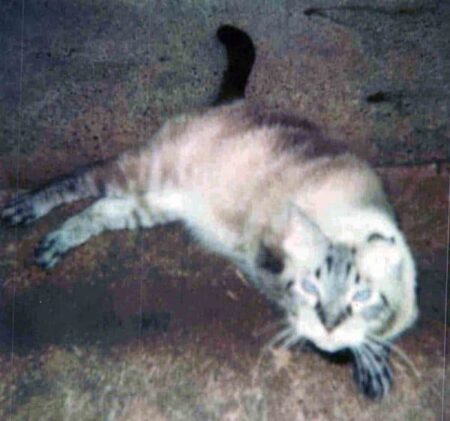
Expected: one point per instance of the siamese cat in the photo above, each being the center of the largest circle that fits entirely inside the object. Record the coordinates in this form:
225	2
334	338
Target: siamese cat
300	215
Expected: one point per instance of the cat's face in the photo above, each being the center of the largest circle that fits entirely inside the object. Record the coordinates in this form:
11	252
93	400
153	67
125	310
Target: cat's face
337	304
340	296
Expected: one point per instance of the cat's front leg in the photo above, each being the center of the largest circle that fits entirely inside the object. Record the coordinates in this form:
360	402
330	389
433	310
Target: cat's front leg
105	214
371	370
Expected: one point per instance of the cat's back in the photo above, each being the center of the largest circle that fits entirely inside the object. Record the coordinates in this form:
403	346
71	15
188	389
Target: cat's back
240	159
241	142
233	154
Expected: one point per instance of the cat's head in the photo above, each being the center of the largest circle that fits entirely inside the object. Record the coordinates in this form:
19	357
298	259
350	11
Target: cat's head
340	295
356	292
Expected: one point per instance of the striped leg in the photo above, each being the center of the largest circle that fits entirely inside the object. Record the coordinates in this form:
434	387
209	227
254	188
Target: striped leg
28	207
105	214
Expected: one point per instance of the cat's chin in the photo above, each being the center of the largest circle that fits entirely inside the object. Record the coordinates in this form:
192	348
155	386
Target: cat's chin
328	345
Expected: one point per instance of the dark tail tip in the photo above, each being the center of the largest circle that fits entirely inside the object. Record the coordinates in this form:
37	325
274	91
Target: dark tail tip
233	37
241	54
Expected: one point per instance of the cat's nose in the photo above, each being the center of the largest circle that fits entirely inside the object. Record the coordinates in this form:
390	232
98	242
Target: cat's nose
329	329
329	319
330	325
331	322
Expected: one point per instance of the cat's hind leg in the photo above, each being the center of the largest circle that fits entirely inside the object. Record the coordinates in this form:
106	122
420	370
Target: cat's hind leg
110	178
28	207
104	214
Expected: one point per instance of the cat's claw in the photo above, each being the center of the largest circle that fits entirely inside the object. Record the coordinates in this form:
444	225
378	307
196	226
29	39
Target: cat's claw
19	211
50	249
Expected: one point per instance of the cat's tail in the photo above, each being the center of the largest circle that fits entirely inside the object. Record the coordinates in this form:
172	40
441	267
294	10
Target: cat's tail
241	54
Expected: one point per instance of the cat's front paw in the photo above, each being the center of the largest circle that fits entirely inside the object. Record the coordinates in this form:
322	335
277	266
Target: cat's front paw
372	373
50	249
19	211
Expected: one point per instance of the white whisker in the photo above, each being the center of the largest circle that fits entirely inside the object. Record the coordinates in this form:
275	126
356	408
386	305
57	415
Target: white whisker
358	359
291	341
399	353
355	352
280	336
288	331
268	327
367	358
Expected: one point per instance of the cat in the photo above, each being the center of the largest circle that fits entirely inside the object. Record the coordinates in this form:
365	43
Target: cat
304	219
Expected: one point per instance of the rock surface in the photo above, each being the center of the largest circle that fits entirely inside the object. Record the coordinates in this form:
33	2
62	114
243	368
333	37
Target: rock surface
137	326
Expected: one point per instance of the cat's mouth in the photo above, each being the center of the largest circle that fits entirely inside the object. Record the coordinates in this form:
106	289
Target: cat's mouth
331	341
330	345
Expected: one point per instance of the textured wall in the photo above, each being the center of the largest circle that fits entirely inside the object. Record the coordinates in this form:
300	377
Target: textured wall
92	77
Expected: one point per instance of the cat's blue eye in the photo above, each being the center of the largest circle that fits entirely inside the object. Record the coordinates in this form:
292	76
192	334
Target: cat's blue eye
310	287
362	295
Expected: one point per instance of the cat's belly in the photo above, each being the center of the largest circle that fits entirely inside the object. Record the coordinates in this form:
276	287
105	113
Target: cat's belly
216	238
202	220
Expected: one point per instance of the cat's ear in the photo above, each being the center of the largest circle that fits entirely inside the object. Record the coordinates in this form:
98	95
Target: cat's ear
269	259
382	257
307	231
303	237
